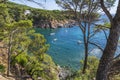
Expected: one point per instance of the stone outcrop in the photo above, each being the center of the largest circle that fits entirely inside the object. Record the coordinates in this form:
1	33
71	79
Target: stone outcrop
55	23
63	73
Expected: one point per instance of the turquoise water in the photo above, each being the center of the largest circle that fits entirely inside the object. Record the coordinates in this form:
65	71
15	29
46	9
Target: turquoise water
66	45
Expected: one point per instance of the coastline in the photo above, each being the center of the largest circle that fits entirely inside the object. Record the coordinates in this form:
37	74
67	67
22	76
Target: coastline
55	24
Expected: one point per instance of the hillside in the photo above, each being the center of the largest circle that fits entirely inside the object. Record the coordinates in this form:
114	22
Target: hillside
40	18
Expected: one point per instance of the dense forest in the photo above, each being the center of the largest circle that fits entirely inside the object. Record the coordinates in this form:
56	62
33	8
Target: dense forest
23	52
25	49
39	17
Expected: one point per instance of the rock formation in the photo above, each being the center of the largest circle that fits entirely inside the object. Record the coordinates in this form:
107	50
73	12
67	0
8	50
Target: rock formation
55	24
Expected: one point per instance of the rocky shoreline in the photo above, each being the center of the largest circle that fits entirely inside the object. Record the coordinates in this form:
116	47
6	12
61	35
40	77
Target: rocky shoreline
55	24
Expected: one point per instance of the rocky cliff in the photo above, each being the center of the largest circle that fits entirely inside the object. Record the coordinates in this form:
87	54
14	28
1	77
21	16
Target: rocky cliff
55	23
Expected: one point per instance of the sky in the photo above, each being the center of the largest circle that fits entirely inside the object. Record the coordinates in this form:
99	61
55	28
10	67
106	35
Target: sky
51	5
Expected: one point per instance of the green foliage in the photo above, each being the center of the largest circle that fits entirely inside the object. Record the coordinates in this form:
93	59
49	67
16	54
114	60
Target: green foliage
4	17
45	69
80	9
20	59
17	12
115	77
36	52
105	26
38	46
90	71
109	3
2	68
40	65
36	56
28	49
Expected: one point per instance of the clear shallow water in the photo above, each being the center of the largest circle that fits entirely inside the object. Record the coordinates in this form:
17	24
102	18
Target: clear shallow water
64	47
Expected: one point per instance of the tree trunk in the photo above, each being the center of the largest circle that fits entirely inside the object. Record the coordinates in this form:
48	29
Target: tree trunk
9	53
109	51
111	46
86	59
86	45
86	51
8	64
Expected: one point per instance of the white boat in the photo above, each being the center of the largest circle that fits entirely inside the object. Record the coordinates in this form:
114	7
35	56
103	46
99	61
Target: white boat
66	30
52	34
55	39
79	42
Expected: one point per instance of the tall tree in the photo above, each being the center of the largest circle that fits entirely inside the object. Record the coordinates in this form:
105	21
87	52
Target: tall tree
85	15
107	59
4	19
12	34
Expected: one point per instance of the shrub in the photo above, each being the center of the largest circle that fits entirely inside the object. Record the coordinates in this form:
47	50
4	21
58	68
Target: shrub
2	68
90	71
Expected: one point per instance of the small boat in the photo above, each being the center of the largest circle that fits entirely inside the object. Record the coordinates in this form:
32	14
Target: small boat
55	39
79	42
52	34
66	30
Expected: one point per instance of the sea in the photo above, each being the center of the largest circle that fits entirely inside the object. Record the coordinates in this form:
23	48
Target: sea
66	45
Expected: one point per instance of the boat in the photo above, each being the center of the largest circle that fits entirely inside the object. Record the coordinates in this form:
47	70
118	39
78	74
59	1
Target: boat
52	34
55	39
79	42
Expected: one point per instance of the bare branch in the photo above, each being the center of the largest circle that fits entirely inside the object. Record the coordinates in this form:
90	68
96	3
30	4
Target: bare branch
93	33
118	10
33	1
90	51
105	34
36	2
96	45
106	11
82	27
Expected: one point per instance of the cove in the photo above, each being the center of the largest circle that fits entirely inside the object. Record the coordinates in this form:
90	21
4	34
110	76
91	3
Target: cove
66	45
